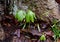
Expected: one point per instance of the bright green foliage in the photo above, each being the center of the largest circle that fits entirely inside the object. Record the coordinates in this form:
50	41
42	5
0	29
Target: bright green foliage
55	28
42	38
20	15
56	31
30	16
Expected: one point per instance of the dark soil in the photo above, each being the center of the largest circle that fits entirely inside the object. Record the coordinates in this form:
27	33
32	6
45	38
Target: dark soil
15	32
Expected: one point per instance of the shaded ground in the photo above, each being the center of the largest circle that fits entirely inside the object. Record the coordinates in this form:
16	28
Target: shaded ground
13	31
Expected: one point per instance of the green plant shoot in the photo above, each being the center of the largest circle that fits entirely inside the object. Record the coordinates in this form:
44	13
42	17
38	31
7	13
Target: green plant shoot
30	16
20	15
42	38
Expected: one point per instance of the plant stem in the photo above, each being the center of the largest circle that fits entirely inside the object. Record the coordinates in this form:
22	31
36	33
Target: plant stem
24	26
38	27
56	40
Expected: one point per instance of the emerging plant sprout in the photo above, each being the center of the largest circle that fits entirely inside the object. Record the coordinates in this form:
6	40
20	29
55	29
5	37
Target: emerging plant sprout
20	15
43	38
28	16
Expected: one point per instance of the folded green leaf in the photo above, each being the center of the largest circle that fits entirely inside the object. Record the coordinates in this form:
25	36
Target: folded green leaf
30	16
27	18
20	15
42	38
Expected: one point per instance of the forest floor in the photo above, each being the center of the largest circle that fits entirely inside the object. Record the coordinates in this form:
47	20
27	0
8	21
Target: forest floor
14	33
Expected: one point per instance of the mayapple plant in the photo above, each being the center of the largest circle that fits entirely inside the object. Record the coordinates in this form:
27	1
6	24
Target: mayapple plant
20	15
28	16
